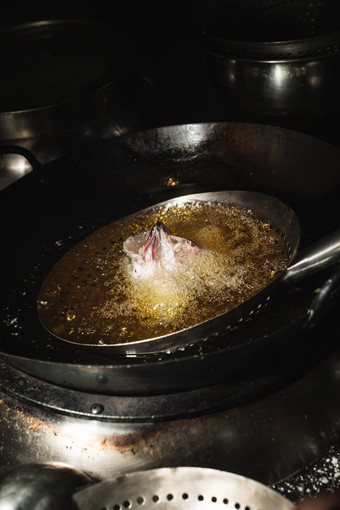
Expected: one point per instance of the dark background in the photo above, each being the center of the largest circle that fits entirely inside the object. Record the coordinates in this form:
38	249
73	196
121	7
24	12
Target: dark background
143	18
161	31
168	54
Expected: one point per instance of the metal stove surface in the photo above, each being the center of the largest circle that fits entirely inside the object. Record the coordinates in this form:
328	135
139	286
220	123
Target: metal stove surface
271	435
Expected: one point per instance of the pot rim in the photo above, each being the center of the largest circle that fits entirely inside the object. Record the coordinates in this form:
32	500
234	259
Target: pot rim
80	106
318	47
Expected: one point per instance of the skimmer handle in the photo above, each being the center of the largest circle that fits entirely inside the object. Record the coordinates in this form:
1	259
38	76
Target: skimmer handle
314	258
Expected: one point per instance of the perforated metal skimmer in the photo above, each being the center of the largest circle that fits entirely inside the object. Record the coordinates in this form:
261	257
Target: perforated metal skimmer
186	488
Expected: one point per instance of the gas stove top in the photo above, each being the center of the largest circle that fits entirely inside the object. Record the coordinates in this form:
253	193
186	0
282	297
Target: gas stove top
270	435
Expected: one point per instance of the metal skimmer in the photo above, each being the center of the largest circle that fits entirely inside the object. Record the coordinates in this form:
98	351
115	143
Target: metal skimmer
187	488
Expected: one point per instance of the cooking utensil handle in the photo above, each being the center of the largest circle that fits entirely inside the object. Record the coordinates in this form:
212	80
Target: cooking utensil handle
314	258
22	151
324	298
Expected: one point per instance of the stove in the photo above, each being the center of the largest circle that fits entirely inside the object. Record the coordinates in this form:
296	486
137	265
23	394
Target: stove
279	426
281	431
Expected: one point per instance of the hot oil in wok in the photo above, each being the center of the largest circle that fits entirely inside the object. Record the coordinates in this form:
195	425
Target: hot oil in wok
91	295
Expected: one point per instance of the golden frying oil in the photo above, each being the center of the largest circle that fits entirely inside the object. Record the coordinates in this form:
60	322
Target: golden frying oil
91	295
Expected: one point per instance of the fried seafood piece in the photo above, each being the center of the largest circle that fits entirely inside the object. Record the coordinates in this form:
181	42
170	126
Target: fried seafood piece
157	251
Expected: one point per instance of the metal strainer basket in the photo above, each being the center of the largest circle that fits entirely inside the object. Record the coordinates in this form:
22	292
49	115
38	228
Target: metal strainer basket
181	488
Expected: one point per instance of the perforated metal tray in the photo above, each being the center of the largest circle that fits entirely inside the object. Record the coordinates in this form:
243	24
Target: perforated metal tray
181	488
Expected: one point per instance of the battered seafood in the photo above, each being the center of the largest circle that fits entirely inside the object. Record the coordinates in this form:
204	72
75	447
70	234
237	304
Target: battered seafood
157	251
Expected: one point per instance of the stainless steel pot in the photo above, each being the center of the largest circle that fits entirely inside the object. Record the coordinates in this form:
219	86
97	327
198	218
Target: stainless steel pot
272	60
112	179
65	83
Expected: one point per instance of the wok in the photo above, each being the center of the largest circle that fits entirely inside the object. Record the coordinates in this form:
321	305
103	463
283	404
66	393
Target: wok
48	211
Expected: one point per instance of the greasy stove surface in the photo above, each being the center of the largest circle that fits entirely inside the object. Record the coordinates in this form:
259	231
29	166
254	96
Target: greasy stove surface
319	477
268	437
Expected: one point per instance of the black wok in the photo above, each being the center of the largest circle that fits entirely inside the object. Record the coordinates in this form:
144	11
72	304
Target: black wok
48	211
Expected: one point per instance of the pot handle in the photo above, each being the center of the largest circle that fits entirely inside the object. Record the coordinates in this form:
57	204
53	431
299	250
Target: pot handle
22	151
314	258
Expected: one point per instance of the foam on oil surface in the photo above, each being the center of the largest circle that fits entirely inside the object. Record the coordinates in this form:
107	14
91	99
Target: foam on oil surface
92	295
